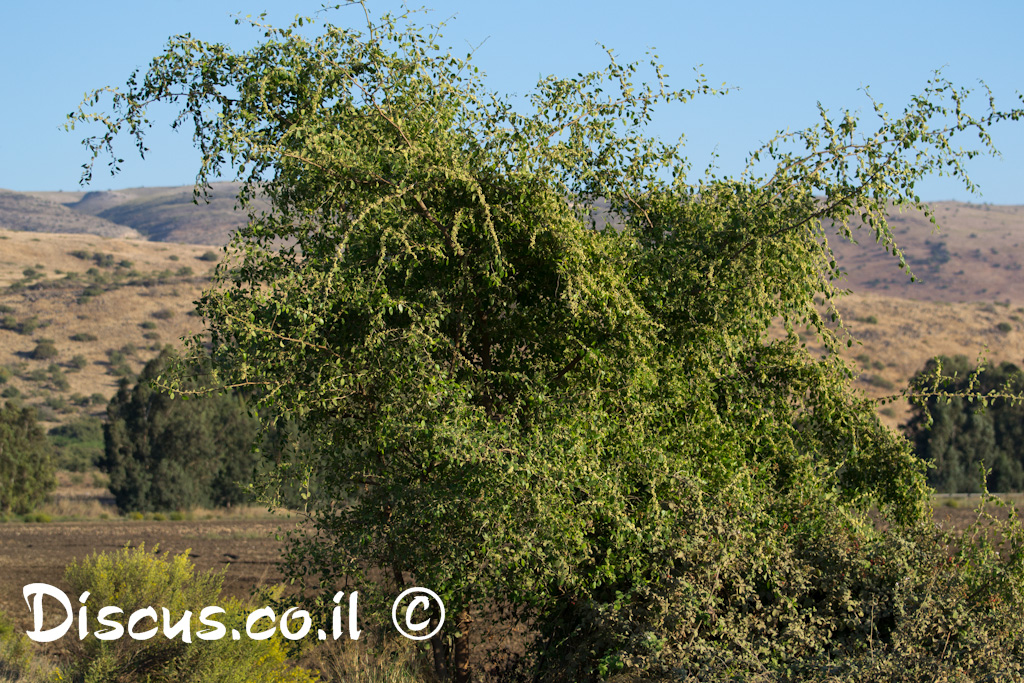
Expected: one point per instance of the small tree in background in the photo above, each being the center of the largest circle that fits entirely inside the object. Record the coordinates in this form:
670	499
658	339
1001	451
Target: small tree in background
964	436
26	461
165	453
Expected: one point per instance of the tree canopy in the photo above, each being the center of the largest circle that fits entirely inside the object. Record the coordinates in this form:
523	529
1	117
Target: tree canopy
514	403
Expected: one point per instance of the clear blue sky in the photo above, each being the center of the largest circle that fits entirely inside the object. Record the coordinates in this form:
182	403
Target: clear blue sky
783	57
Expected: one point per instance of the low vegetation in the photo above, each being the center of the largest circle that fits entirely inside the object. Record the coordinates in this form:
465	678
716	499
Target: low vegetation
135	578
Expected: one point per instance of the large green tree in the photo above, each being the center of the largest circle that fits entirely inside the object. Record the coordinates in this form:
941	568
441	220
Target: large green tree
509	404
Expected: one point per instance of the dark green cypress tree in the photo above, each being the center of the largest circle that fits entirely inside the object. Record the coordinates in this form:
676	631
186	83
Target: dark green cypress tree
165	453
26	461
966	435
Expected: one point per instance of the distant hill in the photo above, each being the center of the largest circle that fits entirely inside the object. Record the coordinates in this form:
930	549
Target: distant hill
30	214
170	214
159	214
978	255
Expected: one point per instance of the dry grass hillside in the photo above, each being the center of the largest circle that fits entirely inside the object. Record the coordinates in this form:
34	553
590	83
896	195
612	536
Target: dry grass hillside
978	255
79	312
896	337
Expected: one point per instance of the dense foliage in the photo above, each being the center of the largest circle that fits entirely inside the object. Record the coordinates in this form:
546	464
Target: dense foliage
513	406
26	460
165	453
974	444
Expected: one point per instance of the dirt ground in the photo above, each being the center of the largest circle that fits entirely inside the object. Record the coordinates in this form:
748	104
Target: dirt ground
31	553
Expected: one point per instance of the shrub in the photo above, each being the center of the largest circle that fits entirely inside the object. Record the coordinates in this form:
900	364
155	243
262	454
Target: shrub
208	256
79	361
56	403
163	314
809	601
17	662
1004	327
26	461
5	374
44	350
173	257
38	375
83	337
880	382
25	327
133	579
10	392
148	325
185	271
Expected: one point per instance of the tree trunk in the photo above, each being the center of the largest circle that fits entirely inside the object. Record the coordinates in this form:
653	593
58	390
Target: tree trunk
439	648
463	673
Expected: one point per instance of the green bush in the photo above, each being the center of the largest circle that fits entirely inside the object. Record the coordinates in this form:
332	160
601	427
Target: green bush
84	337
163	314
1004	327
133	579
17	662
79	361
25	327
26	461
814	599
208	256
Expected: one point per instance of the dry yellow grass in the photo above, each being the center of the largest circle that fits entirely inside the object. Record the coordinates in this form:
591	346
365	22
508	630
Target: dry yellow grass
112	320
896	337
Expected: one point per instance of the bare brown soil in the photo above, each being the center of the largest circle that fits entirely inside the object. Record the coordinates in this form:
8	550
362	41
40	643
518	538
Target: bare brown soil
31	553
